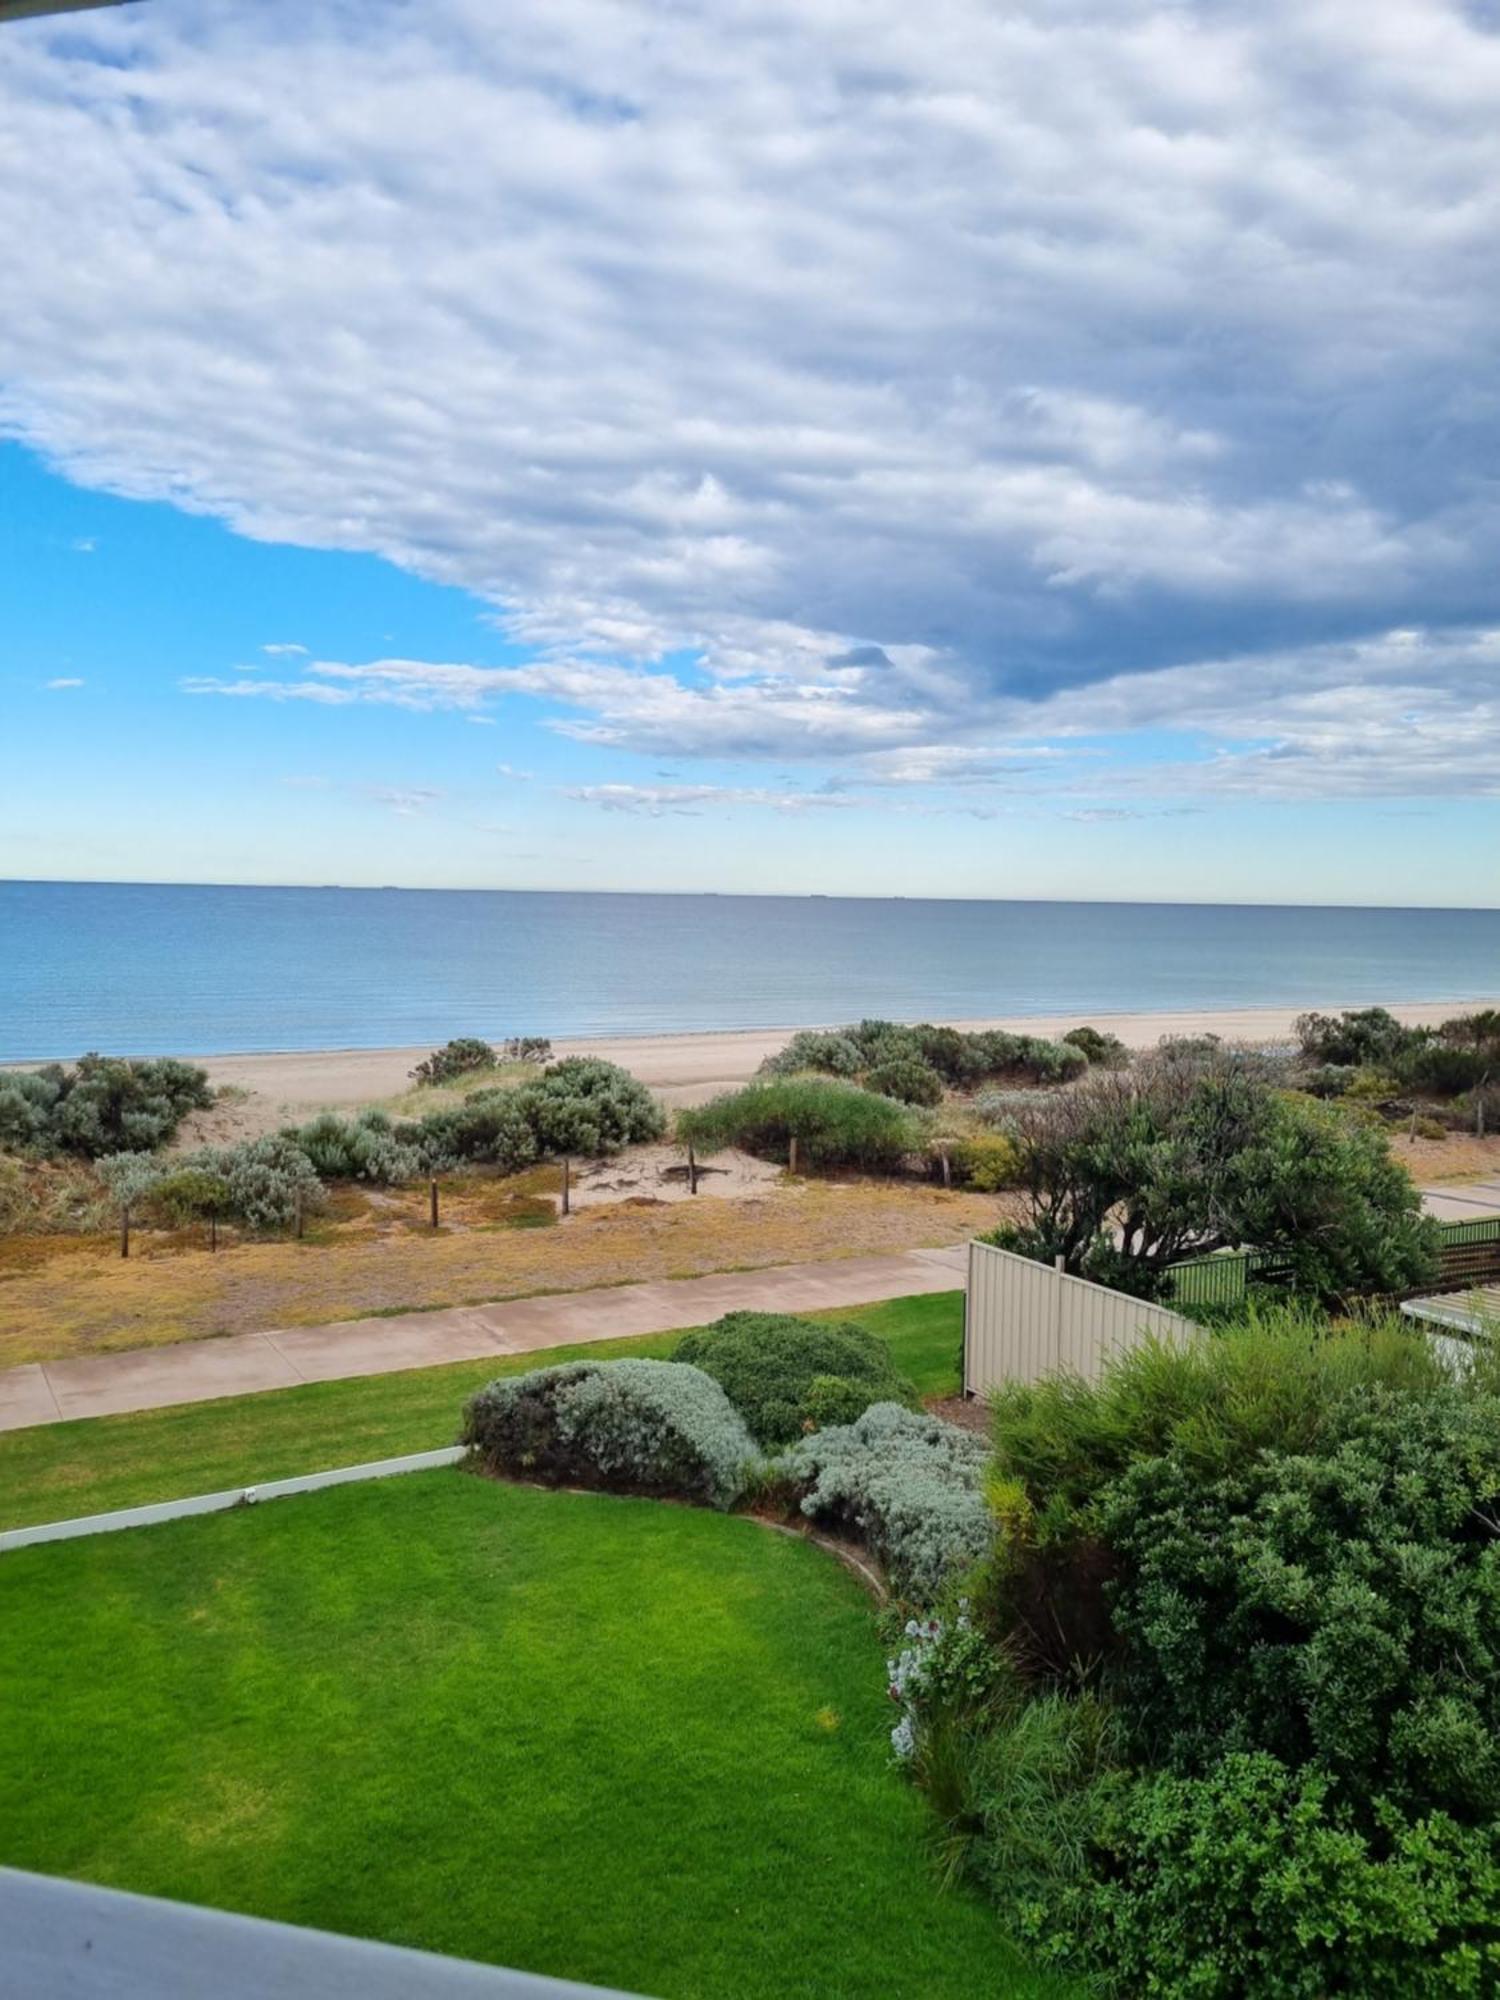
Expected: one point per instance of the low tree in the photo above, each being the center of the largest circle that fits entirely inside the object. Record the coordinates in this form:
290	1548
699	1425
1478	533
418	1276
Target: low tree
1132	1172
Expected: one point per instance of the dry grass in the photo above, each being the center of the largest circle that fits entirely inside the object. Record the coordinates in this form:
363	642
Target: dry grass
373	1254
1459	1156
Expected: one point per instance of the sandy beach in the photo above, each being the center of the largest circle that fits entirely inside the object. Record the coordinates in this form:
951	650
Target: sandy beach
689	1068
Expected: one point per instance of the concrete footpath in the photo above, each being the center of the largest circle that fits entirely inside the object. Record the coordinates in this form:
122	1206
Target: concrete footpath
155	1378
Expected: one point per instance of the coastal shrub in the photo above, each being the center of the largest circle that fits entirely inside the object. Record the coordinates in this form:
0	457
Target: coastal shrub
786	1376
1253	1880
1103	1051
835	1124
1361	1037
986	1162
191	1194
102	1104
528	1049
585	1105
909	1081
816	1049
362	1148
270	1181
1133	1171
633	1426
460	1057
909	1485
129	1177
1340	1606
1447	1069
489	1128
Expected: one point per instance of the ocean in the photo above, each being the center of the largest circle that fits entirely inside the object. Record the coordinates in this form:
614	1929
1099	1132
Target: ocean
153	969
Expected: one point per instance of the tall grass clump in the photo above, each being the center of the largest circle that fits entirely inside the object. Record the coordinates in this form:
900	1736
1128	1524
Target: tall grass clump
834	1124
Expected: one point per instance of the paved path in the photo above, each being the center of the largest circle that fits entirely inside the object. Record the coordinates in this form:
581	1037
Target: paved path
1464	1201
154	1378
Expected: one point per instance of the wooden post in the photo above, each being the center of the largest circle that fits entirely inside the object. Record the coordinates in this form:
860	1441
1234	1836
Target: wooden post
124	1228
567	1187
692	1170
947	1168
299	1215
791	1155
432	1198
213	1230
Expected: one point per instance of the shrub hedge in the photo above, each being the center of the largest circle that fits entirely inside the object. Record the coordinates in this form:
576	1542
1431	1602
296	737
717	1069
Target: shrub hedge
634	1426
787	1376
835	1124
102	1104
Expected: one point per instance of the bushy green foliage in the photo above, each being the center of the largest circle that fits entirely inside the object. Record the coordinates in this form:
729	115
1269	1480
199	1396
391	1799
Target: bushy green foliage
270	1181
631	1426
1277	1554
1447	1069
460	1057
1254	1881
987	1162
908	1080
817	1049
191	1194
103	1104
1130	1173
960	1060
786	1376
907	1484
489	1128
835	1124
1340	1606
362	1148
1360	1037
1103	1051
585	1105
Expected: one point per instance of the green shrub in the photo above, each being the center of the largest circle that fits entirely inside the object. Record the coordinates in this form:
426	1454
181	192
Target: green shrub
1338	1606
987	1162
1252	1881
362	1148
191	1194
270	1181
584	1105
835	1124
633	1426
814	1049
1363	1037
460	1057
489	1128
1445	1070
908	1485
908	1080
786	1376
103	1104
1103	1051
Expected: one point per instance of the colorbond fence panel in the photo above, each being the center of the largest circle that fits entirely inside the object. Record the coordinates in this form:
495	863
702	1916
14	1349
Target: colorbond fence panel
1024	1320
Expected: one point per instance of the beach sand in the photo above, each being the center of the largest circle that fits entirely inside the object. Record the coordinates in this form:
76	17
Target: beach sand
682	1068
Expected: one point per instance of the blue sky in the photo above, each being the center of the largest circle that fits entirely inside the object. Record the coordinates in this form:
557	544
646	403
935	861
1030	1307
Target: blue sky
1049	454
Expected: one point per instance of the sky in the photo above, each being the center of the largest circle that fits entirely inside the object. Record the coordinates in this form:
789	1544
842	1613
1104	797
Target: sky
989	449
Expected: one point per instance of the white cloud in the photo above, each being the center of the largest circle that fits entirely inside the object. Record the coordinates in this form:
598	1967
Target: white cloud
284	649
67	681
407	802
655	800
982	377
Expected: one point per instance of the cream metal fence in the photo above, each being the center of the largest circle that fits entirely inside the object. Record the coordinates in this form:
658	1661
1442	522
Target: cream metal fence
1024	1320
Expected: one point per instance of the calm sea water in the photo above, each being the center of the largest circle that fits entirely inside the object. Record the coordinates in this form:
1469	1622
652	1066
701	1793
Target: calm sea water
144	969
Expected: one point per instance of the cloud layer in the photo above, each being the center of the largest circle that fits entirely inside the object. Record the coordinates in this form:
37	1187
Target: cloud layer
947	384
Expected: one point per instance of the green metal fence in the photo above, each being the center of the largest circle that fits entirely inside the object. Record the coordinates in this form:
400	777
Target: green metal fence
1224	1279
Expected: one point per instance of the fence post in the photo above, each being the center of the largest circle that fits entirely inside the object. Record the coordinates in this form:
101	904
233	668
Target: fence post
567	1187
692	1169
124	1228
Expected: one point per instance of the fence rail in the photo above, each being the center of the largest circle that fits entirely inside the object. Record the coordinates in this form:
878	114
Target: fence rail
1466	1251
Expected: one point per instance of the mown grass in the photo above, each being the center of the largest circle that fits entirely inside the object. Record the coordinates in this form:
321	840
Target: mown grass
88	1467
606	1739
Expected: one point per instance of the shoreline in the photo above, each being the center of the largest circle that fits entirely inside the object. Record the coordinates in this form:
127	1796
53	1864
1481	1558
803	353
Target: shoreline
688	1066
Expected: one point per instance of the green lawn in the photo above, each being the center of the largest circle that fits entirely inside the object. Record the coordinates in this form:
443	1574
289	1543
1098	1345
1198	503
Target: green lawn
59	1470
626	1742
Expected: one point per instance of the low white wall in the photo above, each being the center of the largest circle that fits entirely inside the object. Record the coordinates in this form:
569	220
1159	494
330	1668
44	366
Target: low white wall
1023	1320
